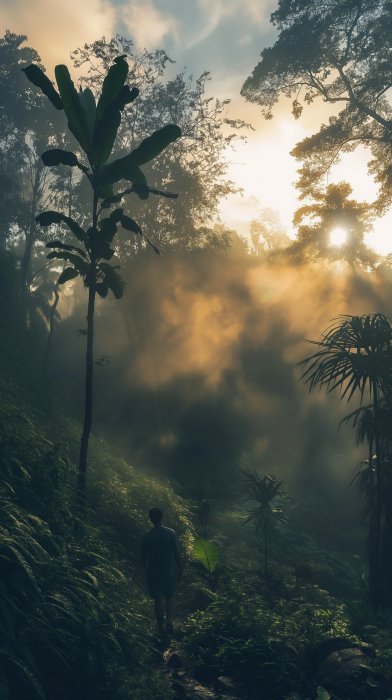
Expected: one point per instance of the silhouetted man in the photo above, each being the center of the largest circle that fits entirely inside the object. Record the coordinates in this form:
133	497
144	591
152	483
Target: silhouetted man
160	547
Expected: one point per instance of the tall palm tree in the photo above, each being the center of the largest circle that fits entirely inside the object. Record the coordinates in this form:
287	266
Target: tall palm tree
356	355
365	482
266	492
365	479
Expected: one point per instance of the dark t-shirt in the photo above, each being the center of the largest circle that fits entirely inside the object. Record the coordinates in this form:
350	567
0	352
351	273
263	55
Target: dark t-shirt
160	543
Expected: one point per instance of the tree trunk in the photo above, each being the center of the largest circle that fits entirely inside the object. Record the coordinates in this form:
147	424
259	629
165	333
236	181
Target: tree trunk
372	520
30	237
26	259
386	534
88	408
378	501
51	324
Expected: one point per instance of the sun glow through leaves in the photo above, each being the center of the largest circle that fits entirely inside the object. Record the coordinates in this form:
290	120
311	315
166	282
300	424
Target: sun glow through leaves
338	236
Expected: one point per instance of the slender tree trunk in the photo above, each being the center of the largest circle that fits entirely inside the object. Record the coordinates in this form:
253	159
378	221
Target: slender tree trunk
88	407
386	534
51	324
372	519
378	500
56	289
26	259
30	237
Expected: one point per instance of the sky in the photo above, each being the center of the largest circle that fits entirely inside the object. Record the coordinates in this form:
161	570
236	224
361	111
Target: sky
224	37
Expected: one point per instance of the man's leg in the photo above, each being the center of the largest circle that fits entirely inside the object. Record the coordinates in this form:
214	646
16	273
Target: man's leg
170	609
159	613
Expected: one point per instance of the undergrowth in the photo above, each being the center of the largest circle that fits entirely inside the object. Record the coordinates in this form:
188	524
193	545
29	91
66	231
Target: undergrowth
270	629
74	619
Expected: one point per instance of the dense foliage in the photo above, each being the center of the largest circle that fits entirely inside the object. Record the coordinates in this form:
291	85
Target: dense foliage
355	355
74	619
270	629
339	52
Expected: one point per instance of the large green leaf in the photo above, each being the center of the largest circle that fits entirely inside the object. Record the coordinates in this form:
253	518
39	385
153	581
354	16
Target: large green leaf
56	156
121	169
116	199
140	190
127	168
104	138
113	280
65	246
130	225
77	118
78	263
112	85
108	229
54	217
108	226
152	146
106	192
39	79
207	554
116	215
87	101
102	288
68	274
106	131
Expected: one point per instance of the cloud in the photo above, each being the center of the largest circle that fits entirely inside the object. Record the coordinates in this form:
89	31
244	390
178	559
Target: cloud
147	25
217	11
56	28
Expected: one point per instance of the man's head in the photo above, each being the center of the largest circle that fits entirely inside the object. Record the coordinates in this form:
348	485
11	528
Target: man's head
156	515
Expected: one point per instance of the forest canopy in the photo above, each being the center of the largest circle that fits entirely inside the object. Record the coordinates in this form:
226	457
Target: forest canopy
339	52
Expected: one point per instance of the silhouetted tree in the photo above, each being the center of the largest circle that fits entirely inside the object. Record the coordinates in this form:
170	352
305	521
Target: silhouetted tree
332	209
339	52
269	507
94	126
365	482
267	233
27	123
196	163
356	355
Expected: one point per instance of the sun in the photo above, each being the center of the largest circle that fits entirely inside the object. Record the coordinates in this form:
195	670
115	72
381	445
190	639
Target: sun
338	236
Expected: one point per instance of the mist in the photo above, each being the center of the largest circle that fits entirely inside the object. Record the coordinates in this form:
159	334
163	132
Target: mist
202	378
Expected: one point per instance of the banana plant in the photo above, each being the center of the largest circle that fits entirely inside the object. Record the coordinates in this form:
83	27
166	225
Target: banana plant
94	126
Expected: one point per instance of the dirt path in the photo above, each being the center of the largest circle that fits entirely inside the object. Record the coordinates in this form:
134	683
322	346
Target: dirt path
178	667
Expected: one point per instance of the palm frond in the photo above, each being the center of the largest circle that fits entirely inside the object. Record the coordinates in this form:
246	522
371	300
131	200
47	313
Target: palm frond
355	354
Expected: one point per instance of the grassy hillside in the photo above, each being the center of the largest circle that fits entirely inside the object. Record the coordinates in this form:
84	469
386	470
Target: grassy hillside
74	618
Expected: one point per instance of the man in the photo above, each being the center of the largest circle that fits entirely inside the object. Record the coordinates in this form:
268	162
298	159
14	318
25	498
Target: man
160	547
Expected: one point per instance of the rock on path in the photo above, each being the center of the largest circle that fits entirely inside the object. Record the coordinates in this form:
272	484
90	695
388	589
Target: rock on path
176	666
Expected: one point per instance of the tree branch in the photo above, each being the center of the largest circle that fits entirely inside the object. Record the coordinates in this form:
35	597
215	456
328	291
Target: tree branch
350	32
363	108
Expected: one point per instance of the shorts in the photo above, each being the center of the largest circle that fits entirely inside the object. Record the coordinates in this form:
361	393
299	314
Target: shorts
161	587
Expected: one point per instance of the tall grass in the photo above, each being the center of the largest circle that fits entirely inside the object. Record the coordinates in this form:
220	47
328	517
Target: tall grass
74	620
